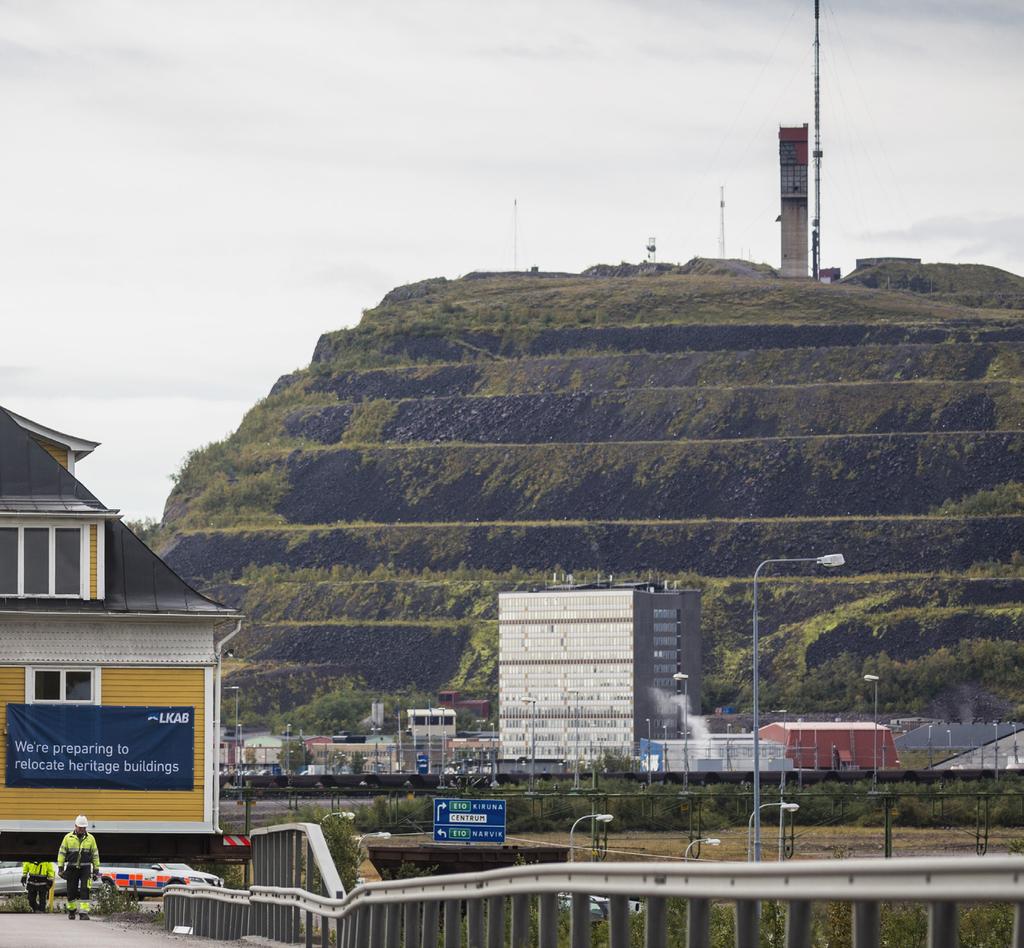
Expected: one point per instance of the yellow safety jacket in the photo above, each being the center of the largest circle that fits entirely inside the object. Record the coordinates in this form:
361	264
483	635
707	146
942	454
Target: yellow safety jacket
78	850
38	871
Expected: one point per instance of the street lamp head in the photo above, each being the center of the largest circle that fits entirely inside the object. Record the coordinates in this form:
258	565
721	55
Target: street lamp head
792	807
680	676
604	817
831	559
871	678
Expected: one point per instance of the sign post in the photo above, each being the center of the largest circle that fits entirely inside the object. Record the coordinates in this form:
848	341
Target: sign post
469	821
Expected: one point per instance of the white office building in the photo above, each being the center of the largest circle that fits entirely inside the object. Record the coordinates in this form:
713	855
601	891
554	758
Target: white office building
585	670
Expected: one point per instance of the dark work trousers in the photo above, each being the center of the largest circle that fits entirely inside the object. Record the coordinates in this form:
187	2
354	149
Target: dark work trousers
78	887
38	893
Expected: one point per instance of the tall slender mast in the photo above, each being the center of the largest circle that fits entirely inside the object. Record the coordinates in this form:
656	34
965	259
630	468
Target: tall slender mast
816	223
515	233
721	222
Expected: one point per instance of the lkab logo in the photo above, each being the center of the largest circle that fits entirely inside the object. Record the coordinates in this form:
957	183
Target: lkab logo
170	717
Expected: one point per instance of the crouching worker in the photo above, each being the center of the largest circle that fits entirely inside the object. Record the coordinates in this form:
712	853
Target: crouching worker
79	862
37	877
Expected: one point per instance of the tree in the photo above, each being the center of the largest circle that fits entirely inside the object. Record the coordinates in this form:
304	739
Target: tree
343	844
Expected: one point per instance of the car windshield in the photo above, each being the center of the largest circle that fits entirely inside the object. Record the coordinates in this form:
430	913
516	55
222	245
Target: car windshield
176	865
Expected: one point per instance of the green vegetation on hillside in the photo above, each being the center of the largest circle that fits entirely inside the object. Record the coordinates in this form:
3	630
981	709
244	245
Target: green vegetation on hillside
476	435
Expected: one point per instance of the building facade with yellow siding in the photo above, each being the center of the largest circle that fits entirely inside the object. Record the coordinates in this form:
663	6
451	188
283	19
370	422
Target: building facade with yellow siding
109	661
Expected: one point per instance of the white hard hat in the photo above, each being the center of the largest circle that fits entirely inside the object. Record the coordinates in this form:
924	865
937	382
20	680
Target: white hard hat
81	821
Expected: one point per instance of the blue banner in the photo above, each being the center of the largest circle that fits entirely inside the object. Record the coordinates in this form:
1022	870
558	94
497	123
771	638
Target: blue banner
652	756
92	747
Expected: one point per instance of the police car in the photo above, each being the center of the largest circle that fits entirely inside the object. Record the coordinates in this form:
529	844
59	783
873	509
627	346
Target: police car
151	878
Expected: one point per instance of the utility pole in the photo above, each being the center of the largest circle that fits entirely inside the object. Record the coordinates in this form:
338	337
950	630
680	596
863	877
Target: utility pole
816	222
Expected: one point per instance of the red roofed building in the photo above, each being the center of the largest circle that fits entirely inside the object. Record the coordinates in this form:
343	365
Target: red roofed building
835	745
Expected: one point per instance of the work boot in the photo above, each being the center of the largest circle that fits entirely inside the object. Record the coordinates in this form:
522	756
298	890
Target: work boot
84	916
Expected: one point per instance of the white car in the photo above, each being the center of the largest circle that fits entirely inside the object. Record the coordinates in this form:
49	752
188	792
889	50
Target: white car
186	875
150	878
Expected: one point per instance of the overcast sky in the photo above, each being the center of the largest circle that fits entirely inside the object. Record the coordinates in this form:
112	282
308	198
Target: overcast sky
193	191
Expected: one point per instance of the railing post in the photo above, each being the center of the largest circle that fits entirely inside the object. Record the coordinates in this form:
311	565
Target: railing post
698	923
412	925
654	931
496	922
452	924
618	922
580	918
377	926
866	925
520	921
430	925
943	925
748	924
393	936
475	923
1018	926
547	920
798	924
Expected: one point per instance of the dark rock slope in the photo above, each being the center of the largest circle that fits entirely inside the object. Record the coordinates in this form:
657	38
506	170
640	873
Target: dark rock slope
475	435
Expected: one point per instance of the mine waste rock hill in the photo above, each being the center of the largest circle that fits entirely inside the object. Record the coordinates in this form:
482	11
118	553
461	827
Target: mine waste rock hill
684	423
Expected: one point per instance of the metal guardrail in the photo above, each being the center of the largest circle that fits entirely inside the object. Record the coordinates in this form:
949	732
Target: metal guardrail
471	909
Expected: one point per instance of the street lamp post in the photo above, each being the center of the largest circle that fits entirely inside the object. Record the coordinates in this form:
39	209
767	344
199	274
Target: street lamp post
873	679
287	747
575	695
752	824
995	749
785	744
532	702
648	720
597	818
685	679
929	747
708	841
830	560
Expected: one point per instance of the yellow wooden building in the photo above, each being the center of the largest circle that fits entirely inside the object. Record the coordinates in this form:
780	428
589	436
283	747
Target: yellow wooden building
109	667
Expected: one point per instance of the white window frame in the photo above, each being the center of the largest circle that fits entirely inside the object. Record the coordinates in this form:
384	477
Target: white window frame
30	683
83	560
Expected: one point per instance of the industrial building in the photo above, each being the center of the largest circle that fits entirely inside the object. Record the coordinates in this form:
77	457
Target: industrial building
109	667
590	669
835	745
715	753
793	192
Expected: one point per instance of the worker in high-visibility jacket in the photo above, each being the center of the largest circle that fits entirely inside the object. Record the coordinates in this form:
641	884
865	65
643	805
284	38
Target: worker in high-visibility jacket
78	861
37	877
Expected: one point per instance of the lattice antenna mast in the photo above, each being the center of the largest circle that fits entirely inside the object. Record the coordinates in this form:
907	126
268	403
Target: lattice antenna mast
816	223
721	222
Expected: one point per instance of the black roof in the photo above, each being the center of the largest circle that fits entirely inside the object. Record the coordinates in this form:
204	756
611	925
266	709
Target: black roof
137	580
33	482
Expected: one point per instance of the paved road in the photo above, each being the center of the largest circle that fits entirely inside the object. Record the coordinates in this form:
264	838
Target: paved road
48	931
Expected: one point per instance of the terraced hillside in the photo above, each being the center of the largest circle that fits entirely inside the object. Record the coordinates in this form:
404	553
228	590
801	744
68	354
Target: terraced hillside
476	435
